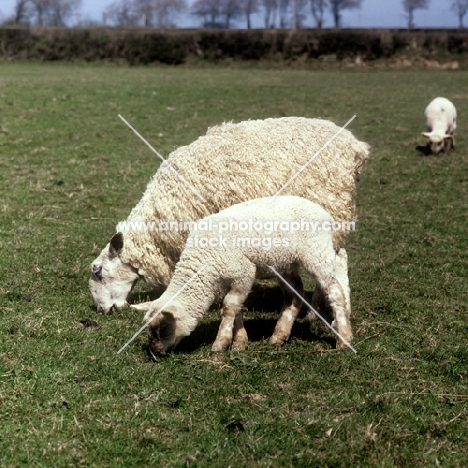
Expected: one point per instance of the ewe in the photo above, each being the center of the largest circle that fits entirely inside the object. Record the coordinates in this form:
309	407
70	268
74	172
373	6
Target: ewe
441	122
230	259
232	163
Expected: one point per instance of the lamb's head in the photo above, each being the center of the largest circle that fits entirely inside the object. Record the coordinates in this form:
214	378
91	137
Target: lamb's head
111	280
164	328
437	142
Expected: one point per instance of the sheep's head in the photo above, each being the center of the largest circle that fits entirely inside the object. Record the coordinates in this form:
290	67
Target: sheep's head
111	280
436	142
162	327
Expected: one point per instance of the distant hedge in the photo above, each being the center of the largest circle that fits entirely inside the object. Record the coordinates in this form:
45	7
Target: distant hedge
143	46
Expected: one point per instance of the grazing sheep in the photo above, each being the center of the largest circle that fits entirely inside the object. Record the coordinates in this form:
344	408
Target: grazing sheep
441	122
232	257
232	163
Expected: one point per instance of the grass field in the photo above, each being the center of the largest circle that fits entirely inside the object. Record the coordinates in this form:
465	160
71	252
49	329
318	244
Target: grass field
70	170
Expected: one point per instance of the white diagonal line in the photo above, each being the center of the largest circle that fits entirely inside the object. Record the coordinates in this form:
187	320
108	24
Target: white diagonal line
162	308
181	177
313	157
313	310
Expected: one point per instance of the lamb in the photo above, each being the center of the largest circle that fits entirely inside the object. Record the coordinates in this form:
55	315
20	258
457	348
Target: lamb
229	258
441	122
232	163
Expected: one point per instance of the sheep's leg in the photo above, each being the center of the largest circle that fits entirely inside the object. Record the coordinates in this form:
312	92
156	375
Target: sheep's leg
325	274
290	310
319	300
231	329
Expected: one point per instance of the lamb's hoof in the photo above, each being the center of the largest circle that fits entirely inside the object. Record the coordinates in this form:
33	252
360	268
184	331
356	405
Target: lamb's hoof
310	316
341	346
239	346
218	349
277	341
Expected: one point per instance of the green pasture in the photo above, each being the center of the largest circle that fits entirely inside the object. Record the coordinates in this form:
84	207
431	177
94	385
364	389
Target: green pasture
70	170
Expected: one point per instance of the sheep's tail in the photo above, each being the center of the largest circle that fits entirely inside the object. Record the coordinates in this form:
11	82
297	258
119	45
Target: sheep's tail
362	153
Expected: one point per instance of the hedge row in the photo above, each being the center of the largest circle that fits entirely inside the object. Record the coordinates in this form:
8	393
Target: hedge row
142	46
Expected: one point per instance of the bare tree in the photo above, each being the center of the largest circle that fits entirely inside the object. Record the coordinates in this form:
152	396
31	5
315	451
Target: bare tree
143	10
121	13
249	7
337	6
41	11
60	10
269	12
165	11
22	11
230	9
460	7
283	7
52	12
410	6
318	11
299	13
209	10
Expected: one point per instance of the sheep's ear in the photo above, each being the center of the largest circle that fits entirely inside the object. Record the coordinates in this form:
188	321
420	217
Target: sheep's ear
426	134
143	307
448	137
116	243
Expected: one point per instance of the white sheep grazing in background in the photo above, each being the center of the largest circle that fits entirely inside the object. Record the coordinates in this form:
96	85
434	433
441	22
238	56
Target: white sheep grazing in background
231	260
441	122
232	163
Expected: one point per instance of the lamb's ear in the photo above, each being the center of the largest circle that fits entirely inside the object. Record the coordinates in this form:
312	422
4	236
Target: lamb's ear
426	134
161	329
143	307
167	324
172	309
447	136
116	243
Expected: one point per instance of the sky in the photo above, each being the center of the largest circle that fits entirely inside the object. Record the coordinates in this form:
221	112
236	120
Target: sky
373	13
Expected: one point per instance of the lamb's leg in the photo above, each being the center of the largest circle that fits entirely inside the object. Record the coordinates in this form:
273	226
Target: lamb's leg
231	329
337	301
240	338
325	273
342	277
450	143
320	304
290	310
319	300
447	145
